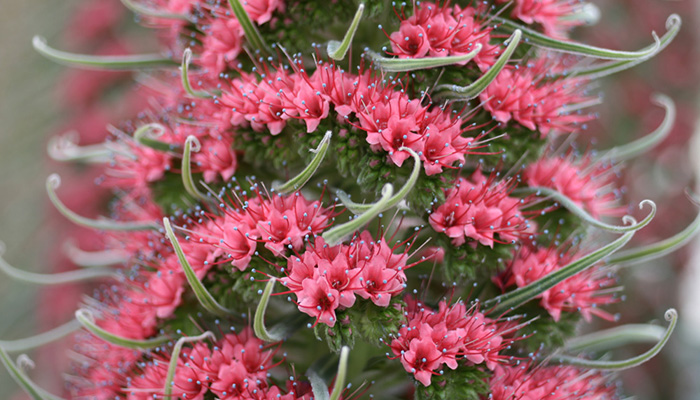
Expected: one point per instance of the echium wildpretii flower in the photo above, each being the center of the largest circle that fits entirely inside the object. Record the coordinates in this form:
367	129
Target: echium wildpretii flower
368	175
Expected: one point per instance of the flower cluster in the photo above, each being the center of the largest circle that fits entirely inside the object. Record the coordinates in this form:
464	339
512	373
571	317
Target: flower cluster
325	278
479	209
430	339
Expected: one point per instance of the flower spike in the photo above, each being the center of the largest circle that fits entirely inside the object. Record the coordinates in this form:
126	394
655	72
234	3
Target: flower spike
648	142
191	144
65	148
300	180
357	208
175	357
259	320
538	39
520	296
336	234
658	249
412	64
150	12
673	26
18	375
145	136
478	86
337	50
146	61
184	73
54	181
205	298
251	31
615	337
58	278
581	213
87	320
671	315
33	342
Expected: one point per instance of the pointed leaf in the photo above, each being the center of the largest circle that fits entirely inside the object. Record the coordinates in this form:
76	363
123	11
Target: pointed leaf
615	337
414	64
259	320
64	148
671	315
34	391
87	320
54	181
191	144
205	298
252	34
185	75
175	356
339	385
520	296
33	342
137	8
300	180
146	61
478	86
648	142
145	136
337	50
336	234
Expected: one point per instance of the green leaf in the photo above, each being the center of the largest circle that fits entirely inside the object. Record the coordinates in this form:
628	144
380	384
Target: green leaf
581	213
478	86
175	356
413	64
205	298
33	342
259	320
300	180
251	32
615	337
185	77
658	249
58	278
87	320
337	50
146	61
357	208
34	391
54	181
671	315
150	12
65	148
336	234
339	385
517	297
191	144
541	40
648	142
145	136
91	259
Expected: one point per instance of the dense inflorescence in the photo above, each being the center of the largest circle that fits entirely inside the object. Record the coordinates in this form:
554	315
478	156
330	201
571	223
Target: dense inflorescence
243	168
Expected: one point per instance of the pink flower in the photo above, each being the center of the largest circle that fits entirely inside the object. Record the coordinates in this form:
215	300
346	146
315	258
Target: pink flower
222	44
319	300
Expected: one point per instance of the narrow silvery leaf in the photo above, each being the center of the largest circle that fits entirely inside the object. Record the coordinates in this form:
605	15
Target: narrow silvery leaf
357	208
300	180
581	213
586	14
137	8
251	32
337	50
205	298
538	39
65	148
648	142
145	61
175	356
58	278
520	296
259	320
478	86
318	386
33	342
145	136
191	144
336	234
87	320
91	259
31	388
615	337
54	181
673	26
185	75
671	315
340	378
414	64
658	249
